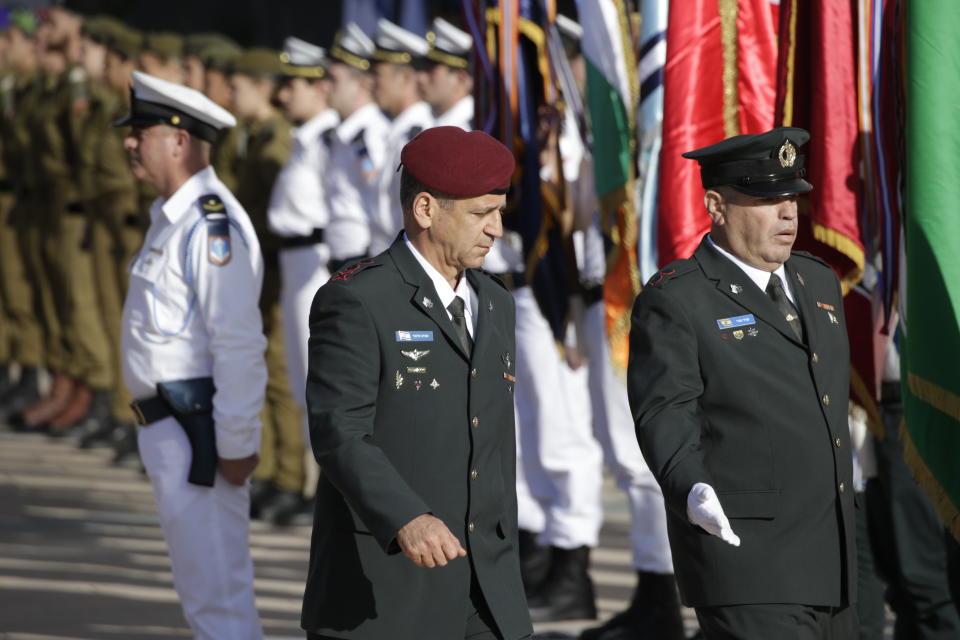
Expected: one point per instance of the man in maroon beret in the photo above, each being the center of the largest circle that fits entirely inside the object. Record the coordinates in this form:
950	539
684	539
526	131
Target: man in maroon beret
410	400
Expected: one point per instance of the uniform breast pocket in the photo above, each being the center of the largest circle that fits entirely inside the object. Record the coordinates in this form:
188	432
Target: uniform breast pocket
158	296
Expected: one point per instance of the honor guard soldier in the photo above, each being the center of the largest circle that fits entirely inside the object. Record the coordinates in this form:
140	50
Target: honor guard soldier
18	82
162	55
193	355
415	532
357	150
254	81
738	382
446	83
398	56
298	212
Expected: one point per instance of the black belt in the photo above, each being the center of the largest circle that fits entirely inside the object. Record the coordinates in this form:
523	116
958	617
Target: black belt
294	242
150	410
890	392
592	294
513	279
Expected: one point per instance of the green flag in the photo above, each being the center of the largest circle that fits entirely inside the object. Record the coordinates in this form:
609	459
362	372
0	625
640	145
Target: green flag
931	353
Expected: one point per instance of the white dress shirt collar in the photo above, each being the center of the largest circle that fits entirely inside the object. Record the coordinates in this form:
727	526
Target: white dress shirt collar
307	132
179	203
459	115
445	291
759	277
352	124
416	114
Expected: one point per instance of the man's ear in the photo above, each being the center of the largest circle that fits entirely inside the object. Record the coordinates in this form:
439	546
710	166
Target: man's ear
424	209
716	206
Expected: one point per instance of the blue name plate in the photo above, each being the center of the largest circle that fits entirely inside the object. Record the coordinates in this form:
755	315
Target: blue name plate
739	321
414	336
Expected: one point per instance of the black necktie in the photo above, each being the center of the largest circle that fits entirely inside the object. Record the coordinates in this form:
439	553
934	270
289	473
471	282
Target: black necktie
456	309
779	297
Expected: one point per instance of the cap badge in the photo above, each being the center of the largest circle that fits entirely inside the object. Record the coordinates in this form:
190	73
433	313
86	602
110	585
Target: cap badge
427	302
735	288
787	154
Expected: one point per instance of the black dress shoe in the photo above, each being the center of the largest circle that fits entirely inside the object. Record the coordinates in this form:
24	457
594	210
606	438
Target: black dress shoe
534	562
262	493
653	614
567	593
296	511
125	447
21	395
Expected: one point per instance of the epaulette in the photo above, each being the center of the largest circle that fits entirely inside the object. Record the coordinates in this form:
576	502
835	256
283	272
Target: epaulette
413	132
807	254
214	212
327	137
495	278
348	272
673	270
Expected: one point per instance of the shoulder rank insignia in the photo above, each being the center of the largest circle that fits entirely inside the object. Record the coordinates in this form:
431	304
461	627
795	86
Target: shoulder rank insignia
218	229
349	272
659	276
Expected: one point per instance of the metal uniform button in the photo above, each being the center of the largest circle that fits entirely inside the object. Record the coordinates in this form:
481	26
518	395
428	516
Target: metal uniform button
826	400
473	374
475	422
470	527
841	487
837	442
814	358
473	474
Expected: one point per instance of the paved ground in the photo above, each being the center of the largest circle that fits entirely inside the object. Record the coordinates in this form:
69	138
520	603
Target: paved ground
82	557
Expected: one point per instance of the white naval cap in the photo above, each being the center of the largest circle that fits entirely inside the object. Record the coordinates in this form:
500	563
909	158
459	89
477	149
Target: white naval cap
569	27
449	45
154	101
396	44
353	47
300	58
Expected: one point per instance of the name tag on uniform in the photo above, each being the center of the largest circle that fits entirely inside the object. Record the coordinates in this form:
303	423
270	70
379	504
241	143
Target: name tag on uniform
414	336
739	321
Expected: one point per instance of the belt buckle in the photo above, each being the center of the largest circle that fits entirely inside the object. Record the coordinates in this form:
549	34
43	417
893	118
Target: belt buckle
138	413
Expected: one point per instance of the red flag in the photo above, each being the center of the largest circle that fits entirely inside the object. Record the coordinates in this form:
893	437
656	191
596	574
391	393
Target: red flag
719	81
817	72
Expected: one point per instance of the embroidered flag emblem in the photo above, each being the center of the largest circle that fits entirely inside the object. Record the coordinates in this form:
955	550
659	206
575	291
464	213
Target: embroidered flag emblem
219	250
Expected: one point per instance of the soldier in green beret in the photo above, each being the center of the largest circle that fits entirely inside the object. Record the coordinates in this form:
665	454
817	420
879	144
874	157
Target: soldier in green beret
162	55
254	83
19	85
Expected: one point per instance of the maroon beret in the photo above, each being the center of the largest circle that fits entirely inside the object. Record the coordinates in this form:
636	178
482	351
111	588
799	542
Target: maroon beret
463	164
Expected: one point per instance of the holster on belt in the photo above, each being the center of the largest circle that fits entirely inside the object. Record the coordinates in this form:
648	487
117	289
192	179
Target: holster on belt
191	404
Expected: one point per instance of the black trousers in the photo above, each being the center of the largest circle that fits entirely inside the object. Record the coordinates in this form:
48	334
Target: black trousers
480	624
779	621
908	541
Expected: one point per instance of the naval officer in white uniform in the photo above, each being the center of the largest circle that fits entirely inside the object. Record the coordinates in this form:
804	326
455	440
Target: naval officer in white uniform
193	354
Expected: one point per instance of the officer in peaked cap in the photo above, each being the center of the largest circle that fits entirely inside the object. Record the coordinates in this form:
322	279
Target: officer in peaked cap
415	525
193	344
446	82
767	165
398	55
298	216
358	150
738	380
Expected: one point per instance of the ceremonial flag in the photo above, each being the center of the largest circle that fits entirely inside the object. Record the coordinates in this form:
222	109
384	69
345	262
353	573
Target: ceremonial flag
931	384
817	90
652	57
719	82
612	92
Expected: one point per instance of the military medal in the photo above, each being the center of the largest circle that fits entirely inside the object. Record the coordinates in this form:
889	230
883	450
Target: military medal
735	288
752	332
489	306
416	354
418	384
738	334
416	369
434	384
427	302
832	317
800	278
399	380
506	359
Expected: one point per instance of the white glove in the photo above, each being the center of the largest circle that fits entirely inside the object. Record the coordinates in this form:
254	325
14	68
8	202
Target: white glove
705	511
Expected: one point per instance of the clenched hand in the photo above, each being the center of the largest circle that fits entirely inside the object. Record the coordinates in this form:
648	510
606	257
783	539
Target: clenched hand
428	542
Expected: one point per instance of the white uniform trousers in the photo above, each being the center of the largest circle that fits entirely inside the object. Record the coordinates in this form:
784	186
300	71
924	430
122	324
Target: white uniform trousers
303	270
559	459
613	424
206	530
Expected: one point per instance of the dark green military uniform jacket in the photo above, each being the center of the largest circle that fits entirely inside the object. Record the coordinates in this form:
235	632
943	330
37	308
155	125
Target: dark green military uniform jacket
723	392
400	419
